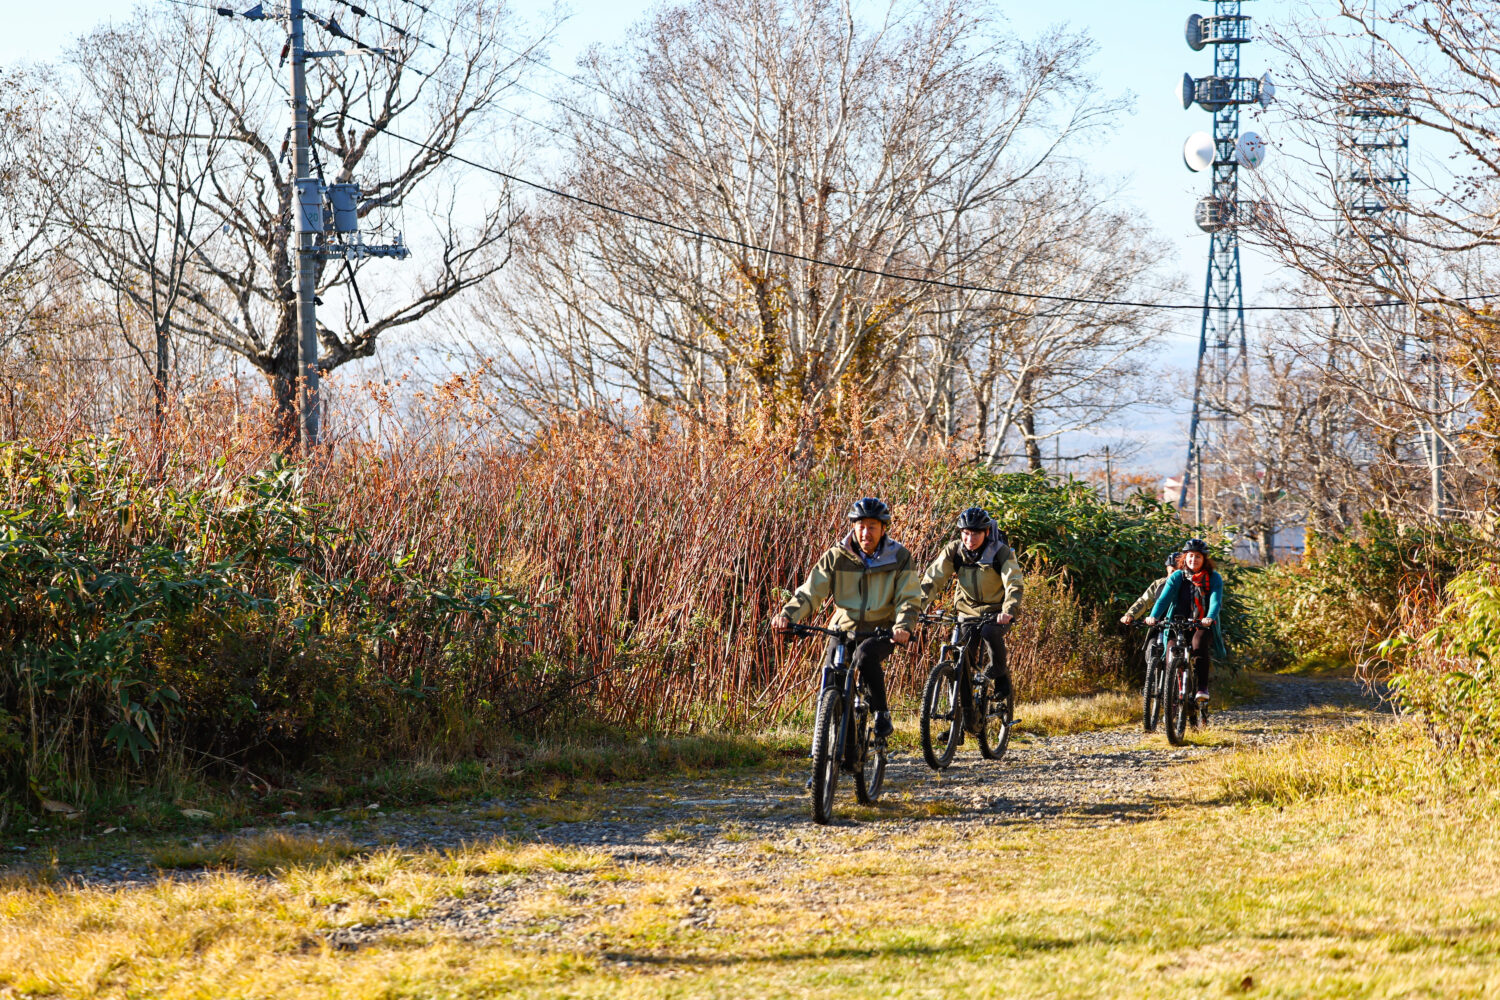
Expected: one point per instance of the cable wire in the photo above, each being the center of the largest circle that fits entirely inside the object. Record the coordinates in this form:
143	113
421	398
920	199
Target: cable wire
859	268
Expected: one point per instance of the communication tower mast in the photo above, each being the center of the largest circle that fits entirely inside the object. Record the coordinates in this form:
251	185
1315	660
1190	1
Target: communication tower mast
1221	380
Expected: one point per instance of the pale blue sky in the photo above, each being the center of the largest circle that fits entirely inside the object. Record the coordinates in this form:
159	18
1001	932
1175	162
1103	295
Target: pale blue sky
1140	50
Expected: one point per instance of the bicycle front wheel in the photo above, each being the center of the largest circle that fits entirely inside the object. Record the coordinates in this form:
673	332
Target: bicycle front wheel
995	714
1152	695
825	777
941	707
994	733
1178	697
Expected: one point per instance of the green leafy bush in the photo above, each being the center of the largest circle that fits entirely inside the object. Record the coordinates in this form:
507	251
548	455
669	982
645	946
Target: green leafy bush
1106	553
223	617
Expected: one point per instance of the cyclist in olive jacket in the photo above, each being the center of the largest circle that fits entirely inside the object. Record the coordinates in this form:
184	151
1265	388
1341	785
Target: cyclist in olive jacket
990	581
874	586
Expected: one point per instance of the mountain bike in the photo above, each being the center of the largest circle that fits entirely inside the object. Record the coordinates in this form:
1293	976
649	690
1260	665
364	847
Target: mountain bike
843	729
1153	691
1179	687
963	698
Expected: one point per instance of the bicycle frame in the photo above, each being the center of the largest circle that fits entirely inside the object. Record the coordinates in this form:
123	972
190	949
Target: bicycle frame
965	636
842	677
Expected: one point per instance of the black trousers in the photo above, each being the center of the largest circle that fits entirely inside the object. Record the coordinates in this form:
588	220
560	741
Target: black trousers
993	637
1203	655
869	653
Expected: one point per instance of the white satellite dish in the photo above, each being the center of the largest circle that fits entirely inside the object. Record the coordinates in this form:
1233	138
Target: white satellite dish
1186	90
1267	91
1250	150
1194	32
1198	151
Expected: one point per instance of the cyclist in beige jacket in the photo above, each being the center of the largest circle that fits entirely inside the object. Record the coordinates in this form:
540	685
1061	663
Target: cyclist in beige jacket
874	586
990	582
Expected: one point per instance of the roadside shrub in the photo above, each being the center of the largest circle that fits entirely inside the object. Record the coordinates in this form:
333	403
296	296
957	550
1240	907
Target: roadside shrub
1347	594
1449	675
1252	630
213	616
1106	553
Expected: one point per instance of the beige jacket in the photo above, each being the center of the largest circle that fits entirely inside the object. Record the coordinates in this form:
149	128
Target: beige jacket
881	592
989	582
1147	601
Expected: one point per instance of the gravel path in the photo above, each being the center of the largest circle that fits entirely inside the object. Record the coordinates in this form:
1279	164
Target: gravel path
1111	776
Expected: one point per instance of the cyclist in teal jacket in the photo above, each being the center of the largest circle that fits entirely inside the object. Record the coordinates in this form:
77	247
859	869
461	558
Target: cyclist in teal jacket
1196	591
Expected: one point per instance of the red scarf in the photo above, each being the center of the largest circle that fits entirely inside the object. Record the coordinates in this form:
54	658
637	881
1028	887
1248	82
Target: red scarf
1199	580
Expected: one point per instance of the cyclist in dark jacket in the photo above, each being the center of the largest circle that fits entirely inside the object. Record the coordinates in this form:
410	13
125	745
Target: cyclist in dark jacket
1155	653
1147	600
990	581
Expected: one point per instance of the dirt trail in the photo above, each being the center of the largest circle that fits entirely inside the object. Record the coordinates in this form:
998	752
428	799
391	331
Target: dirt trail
1111	776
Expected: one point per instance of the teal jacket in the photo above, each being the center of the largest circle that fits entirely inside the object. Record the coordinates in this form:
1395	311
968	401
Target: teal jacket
1176	601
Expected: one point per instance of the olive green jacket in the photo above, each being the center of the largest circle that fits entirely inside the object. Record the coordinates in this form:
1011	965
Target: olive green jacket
883	592
1146	601
989	582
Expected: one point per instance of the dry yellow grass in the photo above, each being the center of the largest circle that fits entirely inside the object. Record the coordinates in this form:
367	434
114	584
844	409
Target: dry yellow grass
261	853
1290	876
1079	713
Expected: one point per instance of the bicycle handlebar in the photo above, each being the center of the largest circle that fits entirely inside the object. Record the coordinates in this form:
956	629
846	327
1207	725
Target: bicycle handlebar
988	618
1194	623
804	631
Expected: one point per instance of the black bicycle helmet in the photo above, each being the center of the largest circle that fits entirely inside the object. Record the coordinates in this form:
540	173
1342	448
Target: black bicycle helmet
1171	562
975	519
870	507
1195	545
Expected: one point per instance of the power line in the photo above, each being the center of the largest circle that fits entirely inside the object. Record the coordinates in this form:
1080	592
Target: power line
691	161
858	268
359	11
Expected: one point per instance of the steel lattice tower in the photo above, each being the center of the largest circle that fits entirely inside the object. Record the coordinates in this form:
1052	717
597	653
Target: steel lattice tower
1221	381
1373	183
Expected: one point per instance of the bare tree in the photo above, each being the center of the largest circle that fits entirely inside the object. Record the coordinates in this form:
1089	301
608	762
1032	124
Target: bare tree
178	131
826	182
24	217
1410	348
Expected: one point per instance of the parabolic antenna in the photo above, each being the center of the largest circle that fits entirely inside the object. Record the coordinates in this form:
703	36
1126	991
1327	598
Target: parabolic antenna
1267	91
1198	151
1194	32
1250	150
1187	90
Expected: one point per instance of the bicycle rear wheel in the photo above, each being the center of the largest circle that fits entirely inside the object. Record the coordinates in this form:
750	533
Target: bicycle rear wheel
1178	697
995	715
825	776
940	705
